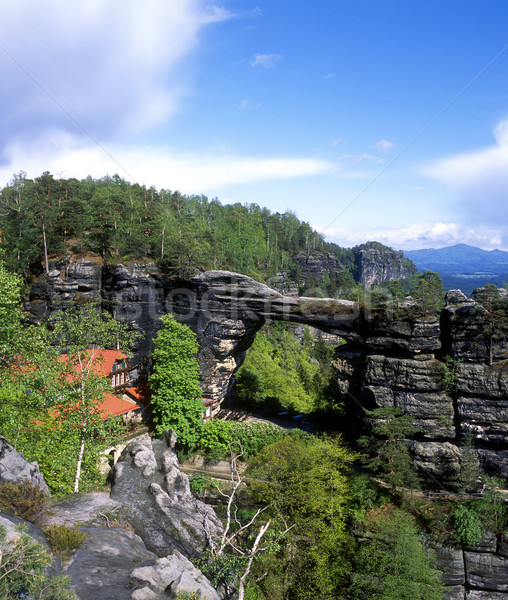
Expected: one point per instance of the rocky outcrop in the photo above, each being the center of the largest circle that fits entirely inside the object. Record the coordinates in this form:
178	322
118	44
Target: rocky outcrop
474	573
435	371
393	360
377	264
168	576
162	510
150	496
14	468
101	568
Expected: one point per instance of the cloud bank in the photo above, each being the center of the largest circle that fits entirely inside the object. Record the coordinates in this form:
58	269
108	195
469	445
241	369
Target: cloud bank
479	181
100	66
422	235
69	156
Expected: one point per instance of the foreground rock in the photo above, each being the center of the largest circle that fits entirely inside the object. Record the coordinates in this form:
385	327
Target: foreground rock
161	509
101	568
171	575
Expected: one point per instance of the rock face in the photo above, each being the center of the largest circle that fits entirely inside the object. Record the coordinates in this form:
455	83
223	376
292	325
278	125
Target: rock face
378	264
386	362
101	568
224	309
170	575
401	363
162	510
474	573
14	468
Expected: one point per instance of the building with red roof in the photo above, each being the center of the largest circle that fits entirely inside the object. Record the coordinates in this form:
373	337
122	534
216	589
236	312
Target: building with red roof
113	364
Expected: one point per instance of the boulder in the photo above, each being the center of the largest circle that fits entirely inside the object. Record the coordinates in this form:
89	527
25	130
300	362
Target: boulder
14	468
101	568
168	576
162	509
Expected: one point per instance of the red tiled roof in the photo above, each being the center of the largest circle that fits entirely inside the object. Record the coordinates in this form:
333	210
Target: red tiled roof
114	406
103	360
140	393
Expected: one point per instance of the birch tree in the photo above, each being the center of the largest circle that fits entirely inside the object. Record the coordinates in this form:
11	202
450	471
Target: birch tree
80	334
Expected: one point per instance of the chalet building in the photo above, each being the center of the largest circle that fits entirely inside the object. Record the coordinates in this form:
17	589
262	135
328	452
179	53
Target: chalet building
113	364
127	401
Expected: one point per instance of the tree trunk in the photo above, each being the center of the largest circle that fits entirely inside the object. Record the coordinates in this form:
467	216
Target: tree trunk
80	460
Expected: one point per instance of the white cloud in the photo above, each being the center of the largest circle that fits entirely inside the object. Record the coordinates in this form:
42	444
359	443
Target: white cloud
265	61
478	179
330	76
384	146
69	156
217	14
114	66
421	235
247	104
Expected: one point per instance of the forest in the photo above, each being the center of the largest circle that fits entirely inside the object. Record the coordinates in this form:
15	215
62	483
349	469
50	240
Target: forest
122	222
334	532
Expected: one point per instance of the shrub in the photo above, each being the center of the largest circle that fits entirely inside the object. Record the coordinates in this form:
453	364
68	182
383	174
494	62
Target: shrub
24	500
216	435
22	575
253	437
467	525
65	539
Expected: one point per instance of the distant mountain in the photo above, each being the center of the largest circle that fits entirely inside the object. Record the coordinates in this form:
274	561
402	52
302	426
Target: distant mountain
462	266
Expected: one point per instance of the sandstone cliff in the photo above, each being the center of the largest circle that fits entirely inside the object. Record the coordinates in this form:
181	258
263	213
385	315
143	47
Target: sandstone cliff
386	362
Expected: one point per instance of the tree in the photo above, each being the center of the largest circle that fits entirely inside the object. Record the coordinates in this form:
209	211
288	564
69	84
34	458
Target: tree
429	293
233	554
176	395
392	563
81	332
23	565
494	317
305	480
387	452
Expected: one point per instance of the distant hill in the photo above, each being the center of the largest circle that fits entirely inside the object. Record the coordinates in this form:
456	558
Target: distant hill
462	266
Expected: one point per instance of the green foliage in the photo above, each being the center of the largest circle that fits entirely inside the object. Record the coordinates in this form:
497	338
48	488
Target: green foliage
198	484
386	448
81	385
471	518
176	395
119	220
392	563
253	437
183	595
65	539
305	480
450	374
429	293
24	500
48	407
493	317
216	435
467	525
281	371
22	571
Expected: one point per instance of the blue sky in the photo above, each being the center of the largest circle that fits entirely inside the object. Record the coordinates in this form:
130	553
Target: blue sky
383	120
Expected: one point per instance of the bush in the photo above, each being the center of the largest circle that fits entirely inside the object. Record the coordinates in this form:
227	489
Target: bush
22	571
65	539
216	435
253	437
24	500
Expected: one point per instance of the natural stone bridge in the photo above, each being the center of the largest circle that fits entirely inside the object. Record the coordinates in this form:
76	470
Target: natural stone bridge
386	362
